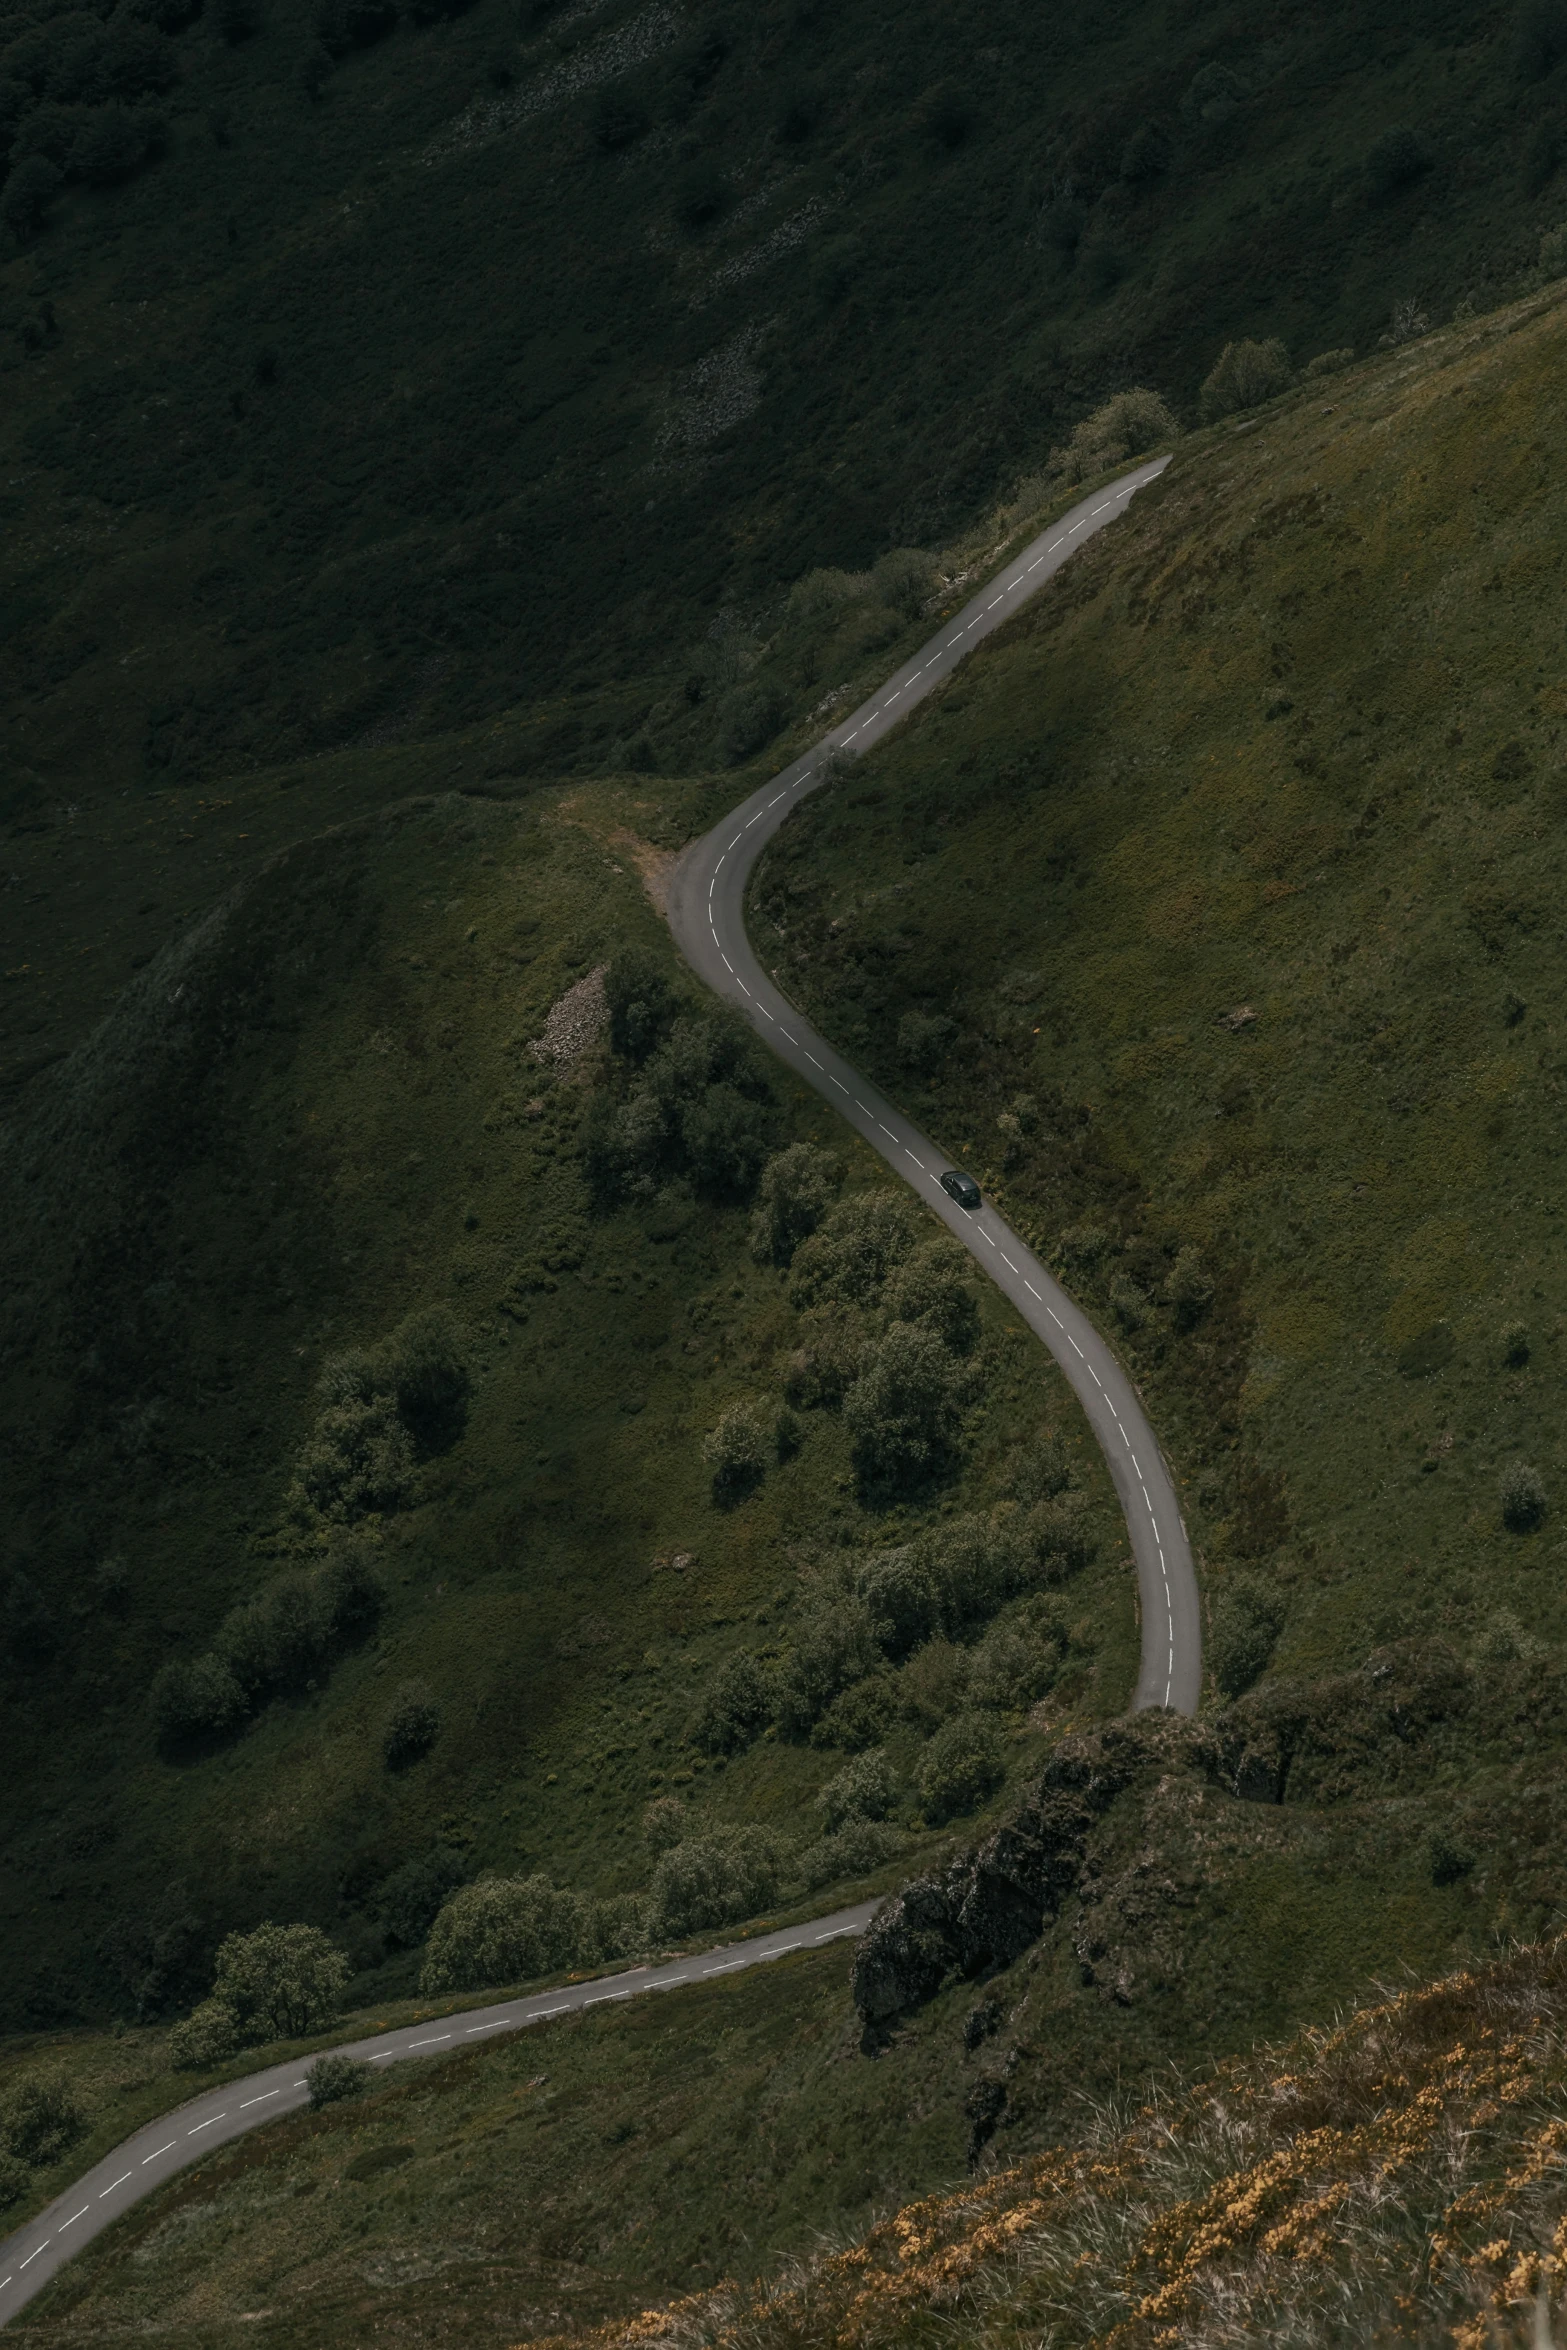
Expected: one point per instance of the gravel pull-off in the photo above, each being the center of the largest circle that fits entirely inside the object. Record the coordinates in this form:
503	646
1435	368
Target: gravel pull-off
575	1024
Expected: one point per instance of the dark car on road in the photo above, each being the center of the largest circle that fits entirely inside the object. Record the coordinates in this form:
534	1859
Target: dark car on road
962	1188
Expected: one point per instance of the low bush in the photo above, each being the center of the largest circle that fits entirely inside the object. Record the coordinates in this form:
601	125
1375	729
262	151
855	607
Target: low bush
905	1409
963	1763
284	1637
935	1290
862	1790
834	1646
196	1697
750	717
14	2179
850	1851
331	2079
1522	1496
412	1726
42	2120
666	1822
1020	1656
1244	374
1247	1621
856	1246
924	1040
1395	161
899	1595
641	1004
1329	362
714	1880
737	1451
209	2035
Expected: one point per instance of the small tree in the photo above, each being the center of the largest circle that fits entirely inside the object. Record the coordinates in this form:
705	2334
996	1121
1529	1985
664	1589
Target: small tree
412	1726
1395	161
409	1900
1245	374
1188	1290
963	1763
736	1705
280	1981
795	1193
1515	1345
737	1450
641	1003
502	1930
427	1370
934	1290
1523	1498
905	580
903	1410
197	1697
332	2078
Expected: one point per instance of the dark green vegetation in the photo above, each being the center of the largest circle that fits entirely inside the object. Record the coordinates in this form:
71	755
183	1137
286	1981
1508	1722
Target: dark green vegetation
363	1537
473	364
1212	913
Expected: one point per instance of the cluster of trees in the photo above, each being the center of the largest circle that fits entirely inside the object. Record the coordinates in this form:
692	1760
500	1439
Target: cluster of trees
959	1621
287	1635
382	1410
73	100
692	1100
274	1983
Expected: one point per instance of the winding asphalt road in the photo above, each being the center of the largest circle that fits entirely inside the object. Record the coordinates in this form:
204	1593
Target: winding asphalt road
706	913
31	2257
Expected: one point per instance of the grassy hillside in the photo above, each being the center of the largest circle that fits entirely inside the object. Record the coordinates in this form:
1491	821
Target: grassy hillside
1236	854
1389	2179
494	361
319	1114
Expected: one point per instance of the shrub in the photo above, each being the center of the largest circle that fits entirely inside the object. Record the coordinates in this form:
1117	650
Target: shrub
640	1001
666	1822
111	146
410	1899
1038	1471
427	1367
974	1568
1019	1658
934	1683
276	1640
1394	162
934	1290
14	2181
736	1705
280	1981
1060	1536
1449	1861
903	1410
1244	374
860	1716
1515	1345
750	717
42	2119
27	1624
905	580
1553	250
1121	427
794	1194
961	1766
1188	1290
736	1451
412	1726
1247	1621
1522	1497
620	118
29	188
862	1790
834	1645
196	1698
501	1930
1145	157
924	1040
1329	362
209	2035
237	20
848	1258
714	1880
358	1458
331	2079
851	1851
898	1593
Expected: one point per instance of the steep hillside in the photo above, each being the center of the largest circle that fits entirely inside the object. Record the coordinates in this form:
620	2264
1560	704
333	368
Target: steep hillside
481	360
1237	856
